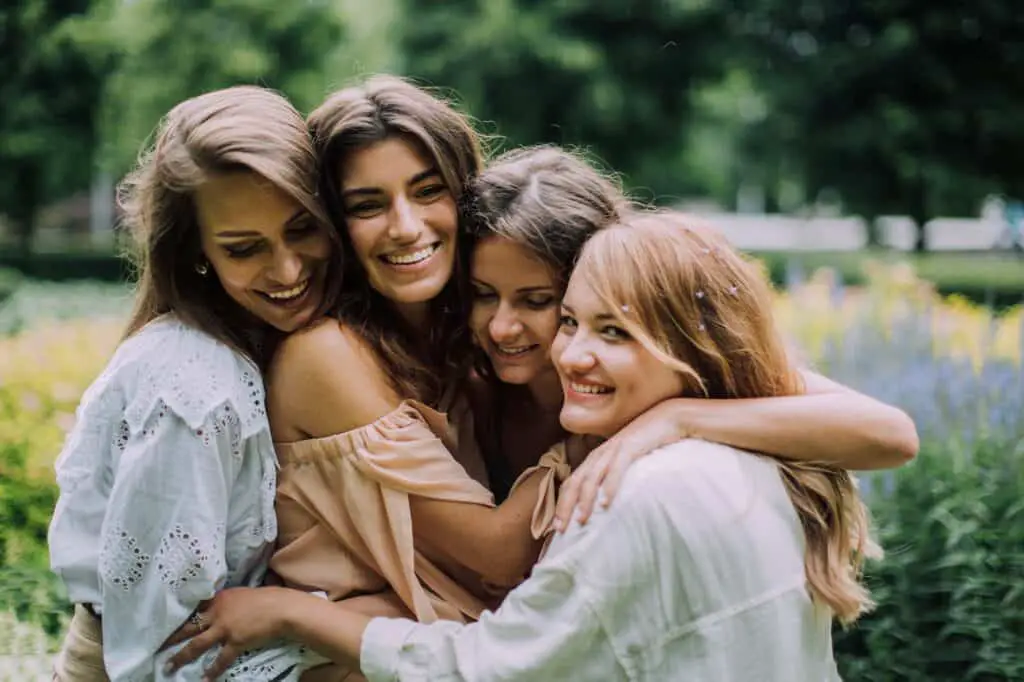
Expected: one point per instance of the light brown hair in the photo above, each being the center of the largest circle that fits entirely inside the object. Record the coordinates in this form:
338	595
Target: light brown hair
243	128
380	108
686	295
546	199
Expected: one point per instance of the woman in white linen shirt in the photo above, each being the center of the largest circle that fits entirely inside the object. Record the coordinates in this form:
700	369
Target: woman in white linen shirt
167	479
711	564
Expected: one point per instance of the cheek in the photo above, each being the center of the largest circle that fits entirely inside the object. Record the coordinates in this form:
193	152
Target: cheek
558	346
363	234
544	329
236	276
479	316
318	247
444	217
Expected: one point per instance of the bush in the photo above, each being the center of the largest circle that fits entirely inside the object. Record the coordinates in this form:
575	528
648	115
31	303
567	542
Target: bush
9	282
951	587
39	302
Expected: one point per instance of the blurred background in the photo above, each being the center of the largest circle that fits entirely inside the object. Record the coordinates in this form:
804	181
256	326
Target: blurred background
870	153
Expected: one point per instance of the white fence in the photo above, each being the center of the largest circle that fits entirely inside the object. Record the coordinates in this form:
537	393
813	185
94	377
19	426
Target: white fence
759	232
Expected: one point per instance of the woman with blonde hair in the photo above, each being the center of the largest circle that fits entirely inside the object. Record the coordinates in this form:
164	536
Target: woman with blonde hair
712	563
167	479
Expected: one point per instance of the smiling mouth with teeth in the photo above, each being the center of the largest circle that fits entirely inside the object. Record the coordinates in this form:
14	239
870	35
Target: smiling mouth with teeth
288	294
590	389
517	350
412	258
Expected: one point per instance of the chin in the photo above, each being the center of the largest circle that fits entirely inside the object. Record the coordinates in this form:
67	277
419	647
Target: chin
516	376
420	292
582	424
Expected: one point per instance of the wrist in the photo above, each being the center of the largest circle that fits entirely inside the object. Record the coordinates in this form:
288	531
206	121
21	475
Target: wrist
288	604
684	415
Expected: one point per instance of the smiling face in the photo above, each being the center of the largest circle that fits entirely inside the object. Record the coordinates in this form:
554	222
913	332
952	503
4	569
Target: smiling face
270	255
515	310
402	220
608	378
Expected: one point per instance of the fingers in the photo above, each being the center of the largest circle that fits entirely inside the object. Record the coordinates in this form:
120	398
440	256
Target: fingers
196	647
590	486
225	658
613	480
568	493
186	631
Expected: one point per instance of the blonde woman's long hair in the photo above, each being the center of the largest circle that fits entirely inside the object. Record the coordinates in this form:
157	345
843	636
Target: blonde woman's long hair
689	298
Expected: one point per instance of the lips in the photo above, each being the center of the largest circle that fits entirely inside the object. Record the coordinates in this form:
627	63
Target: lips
589	389
289	298
406	258
514	351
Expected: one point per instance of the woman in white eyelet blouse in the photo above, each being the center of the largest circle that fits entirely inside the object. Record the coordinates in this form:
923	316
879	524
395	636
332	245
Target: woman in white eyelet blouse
167	480
167	492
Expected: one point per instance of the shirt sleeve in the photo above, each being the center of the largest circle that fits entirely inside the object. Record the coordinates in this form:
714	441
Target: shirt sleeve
546	629
163	536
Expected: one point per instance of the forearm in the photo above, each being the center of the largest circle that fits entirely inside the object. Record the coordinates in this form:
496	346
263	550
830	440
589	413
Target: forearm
842	428
511	547
332	629
496	543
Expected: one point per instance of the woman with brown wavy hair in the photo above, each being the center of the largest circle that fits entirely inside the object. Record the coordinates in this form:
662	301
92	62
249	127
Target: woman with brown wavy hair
712	563
167	479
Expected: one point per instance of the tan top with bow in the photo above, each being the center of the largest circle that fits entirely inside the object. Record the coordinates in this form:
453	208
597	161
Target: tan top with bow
344	521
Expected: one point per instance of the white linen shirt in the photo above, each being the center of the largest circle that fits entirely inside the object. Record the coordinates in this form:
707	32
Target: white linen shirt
694	573
166	496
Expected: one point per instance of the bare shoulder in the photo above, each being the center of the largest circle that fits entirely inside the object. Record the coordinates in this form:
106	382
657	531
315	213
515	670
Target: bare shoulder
324	380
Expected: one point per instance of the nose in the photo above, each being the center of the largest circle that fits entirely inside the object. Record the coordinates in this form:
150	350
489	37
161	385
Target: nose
505	325
287	267
576	356
405	225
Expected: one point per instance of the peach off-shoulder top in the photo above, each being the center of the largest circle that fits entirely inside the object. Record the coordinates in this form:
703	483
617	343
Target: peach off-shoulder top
344	522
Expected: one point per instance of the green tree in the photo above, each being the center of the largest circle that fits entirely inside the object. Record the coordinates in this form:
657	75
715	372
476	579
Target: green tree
613	76
169	51
50	91
901	106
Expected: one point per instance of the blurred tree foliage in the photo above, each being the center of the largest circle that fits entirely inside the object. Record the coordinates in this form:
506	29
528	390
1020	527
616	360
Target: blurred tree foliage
614	76
50	94
904	107
888	106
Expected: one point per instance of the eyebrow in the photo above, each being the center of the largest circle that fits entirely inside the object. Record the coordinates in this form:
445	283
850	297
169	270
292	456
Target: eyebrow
600	317
520	290
236	234
419	177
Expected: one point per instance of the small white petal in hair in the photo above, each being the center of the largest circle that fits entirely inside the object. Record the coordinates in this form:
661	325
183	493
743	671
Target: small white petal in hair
700	293
702	327
734	290
625	308
706	250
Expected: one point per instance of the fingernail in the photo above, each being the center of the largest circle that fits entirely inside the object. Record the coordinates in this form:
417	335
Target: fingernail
168	668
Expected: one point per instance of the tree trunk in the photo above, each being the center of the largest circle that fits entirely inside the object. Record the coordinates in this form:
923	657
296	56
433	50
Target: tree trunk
25	211
873	231
919	214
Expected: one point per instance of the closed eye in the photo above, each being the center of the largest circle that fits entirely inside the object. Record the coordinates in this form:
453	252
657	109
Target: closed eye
241	250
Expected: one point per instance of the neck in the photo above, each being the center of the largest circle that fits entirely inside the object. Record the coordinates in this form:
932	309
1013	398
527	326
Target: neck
415	315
